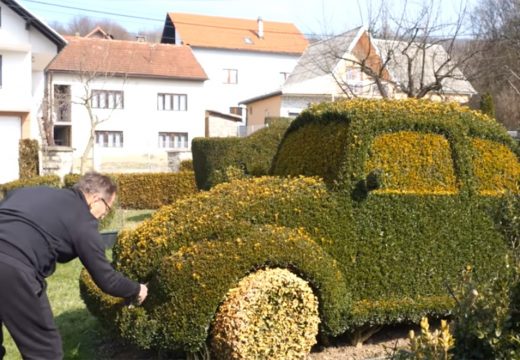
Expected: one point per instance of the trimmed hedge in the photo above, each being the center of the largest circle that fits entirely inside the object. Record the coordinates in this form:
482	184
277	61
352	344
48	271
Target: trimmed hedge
47	180
151	191
29	161
397	249
347	129
266	306
148	190
189	285
252	154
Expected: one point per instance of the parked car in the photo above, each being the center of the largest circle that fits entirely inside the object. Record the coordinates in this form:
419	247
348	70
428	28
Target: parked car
378	205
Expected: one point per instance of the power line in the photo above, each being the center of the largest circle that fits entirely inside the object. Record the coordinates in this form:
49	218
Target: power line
146	18
94	11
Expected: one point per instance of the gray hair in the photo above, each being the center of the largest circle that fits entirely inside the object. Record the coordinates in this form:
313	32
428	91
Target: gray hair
96	183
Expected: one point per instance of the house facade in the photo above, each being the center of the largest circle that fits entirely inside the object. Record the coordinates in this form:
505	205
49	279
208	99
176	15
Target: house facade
241	57
27	46
331	69
138	104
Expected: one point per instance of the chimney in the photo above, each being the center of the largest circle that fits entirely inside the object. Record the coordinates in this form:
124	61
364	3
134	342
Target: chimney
260	23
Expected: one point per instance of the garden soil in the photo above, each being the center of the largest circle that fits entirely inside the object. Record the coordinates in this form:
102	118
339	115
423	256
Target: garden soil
381	346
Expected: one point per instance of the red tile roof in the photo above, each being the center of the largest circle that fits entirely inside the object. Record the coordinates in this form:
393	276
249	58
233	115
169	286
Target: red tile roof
128	58
231	33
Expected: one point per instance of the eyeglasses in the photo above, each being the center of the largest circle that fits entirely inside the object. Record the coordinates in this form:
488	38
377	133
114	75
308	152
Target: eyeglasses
108	208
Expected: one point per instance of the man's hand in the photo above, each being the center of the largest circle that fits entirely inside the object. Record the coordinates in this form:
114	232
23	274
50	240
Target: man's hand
143	293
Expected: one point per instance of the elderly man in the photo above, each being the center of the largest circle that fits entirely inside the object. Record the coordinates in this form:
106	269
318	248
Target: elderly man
40	226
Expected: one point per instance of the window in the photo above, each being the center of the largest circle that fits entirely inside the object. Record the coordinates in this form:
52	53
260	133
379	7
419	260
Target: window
230	76
172	102
62	103
173	140
107	99
112	139
353	74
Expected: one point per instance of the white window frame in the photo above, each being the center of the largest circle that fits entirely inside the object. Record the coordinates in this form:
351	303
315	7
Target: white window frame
172	102
109	139
173	140
230	76
107	99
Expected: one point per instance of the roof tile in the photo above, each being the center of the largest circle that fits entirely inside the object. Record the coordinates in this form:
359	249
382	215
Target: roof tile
128	58
231	33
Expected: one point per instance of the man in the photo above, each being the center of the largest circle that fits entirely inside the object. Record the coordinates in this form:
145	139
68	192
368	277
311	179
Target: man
40	226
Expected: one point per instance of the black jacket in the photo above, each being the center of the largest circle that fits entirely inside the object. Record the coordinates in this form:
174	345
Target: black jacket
41	226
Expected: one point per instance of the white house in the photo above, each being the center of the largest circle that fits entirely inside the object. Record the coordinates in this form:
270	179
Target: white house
331	69
146	100
27	46
241	57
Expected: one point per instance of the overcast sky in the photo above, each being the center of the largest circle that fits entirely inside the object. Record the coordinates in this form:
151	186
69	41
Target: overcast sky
310	16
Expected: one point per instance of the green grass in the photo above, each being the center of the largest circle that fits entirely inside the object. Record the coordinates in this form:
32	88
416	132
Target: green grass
82	335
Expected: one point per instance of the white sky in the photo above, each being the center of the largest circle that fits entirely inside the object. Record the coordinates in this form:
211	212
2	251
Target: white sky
310	16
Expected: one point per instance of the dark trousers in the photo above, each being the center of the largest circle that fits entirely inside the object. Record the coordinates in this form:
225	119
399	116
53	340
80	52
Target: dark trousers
26	313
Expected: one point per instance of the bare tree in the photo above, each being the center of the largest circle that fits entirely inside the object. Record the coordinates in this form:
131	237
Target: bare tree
92	69
496	24
416	54
82	25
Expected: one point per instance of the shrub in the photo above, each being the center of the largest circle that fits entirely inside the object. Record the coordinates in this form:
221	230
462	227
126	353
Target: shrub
148	190
435	221
487	105
252	154
429	345
153	190
29	159
486	324
47	180
181	316
265	307
347	130
186	165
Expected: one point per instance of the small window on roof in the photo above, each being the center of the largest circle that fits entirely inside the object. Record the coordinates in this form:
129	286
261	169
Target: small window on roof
248	40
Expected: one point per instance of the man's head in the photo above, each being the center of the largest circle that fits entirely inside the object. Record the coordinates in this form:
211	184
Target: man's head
99	191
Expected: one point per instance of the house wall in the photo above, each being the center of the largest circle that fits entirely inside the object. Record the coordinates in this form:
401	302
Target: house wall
219	127
25	53
259	110
291	105
258	73
139	120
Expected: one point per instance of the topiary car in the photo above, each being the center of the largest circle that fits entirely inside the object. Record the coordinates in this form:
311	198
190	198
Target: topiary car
376	205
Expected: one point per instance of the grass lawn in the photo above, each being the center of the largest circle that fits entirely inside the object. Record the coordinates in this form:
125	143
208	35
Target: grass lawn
82	335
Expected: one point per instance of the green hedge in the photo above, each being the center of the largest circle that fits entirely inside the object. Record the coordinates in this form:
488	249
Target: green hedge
191	283
47	180
252	154
148	190
29	159
344	132
397	251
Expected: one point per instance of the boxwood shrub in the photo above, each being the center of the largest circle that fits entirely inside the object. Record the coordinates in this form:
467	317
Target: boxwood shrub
252	154
29	159
148	190
399	241
46	180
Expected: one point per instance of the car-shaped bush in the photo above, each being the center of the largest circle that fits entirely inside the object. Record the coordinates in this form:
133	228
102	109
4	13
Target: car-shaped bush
376	205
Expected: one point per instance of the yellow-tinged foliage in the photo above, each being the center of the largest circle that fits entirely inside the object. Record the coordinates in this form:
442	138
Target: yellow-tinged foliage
413	162
271	314
496	168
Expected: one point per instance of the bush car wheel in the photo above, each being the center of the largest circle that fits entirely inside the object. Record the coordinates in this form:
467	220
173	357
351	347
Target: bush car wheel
271	314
